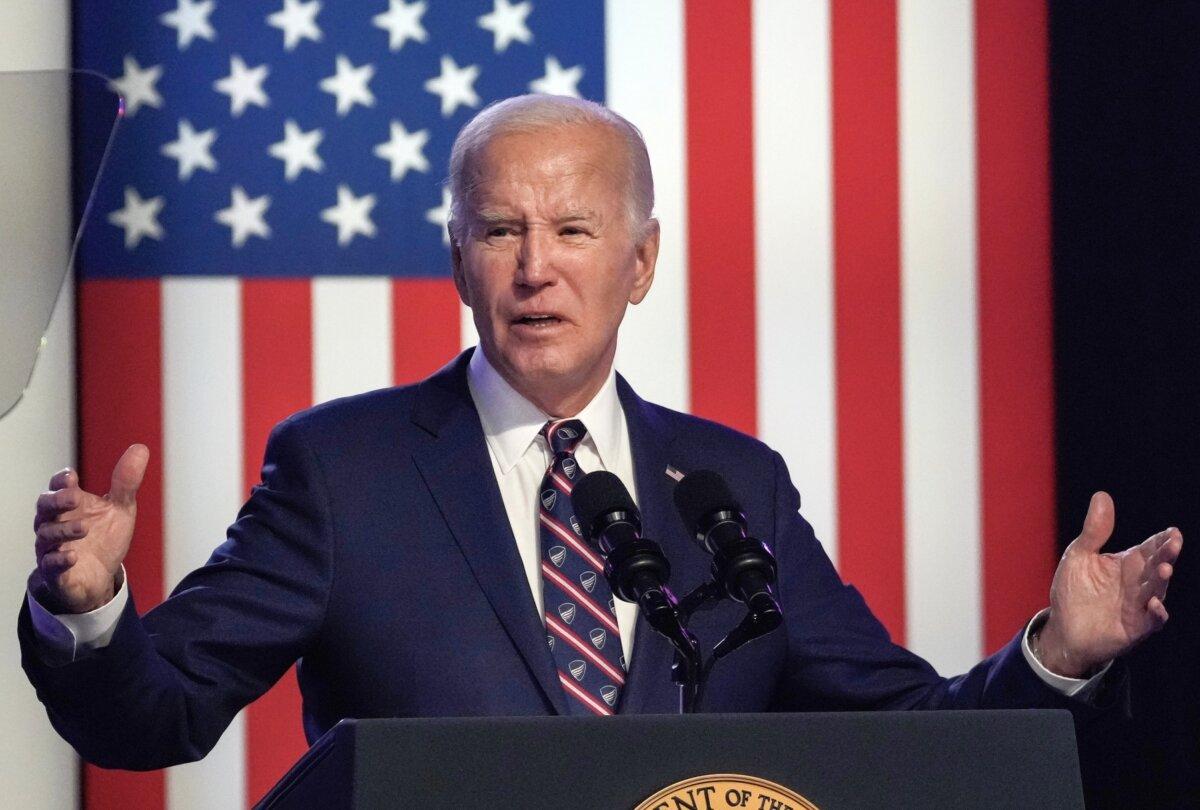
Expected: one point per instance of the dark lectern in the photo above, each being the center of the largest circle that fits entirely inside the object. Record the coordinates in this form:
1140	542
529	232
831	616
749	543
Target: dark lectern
990	759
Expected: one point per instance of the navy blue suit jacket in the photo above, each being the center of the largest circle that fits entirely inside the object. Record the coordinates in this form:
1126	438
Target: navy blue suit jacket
377	552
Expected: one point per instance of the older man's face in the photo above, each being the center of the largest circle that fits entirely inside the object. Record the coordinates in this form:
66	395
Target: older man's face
547	260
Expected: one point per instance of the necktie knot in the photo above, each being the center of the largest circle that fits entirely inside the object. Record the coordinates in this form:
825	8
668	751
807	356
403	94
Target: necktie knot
563	435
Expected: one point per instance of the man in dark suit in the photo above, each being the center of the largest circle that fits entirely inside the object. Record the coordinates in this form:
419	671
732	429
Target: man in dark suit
409	546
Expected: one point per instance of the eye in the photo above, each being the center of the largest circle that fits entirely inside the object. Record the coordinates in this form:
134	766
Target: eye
571	230
499	231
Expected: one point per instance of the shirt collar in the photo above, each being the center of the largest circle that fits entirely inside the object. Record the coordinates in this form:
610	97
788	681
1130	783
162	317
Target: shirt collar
511	422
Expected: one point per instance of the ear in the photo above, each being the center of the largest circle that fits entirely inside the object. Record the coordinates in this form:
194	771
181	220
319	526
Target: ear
456	263
647	256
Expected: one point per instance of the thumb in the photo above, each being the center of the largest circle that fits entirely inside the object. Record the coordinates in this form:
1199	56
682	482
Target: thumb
127	475
1097	524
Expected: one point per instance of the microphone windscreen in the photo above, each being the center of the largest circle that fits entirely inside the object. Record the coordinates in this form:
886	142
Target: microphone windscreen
701	493
599	493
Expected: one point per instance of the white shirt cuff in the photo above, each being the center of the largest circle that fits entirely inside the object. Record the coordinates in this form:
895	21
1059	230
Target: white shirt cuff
73	634
1071	687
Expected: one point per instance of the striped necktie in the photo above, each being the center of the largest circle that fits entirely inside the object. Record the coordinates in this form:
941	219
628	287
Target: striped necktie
581	622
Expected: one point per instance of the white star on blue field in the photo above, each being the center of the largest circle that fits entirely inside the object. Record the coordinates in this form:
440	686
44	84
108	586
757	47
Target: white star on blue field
300	137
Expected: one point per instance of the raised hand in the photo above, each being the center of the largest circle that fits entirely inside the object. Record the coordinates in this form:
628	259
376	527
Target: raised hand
82	538
1102	605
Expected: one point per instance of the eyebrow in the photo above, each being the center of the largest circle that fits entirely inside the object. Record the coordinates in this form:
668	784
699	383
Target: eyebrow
584	215
493	217
498	218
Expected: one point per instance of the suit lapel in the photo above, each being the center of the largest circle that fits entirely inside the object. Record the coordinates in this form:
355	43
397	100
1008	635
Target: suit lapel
458	472
650	440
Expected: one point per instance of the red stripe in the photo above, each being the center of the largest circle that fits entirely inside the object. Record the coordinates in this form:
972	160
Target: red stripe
568	537
1015	318
425	327
562	483
720	177
589	604
586	649
582	696
276	381
120	403
867	304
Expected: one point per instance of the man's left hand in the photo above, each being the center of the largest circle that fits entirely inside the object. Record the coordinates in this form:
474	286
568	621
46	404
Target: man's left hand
1102	605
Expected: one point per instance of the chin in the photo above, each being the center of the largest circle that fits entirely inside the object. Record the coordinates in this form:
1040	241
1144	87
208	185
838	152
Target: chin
544	366
541	366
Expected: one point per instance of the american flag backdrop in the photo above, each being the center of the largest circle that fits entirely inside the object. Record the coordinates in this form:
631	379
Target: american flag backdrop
855	266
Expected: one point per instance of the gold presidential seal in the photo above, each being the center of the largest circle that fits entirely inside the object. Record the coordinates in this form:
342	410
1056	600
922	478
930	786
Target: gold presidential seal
726	791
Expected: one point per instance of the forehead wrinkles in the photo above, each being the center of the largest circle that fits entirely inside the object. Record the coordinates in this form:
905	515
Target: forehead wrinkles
555	187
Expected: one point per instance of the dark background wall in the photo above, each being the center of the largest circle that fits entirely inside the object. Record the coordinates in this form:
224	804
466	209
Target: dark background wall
1125	112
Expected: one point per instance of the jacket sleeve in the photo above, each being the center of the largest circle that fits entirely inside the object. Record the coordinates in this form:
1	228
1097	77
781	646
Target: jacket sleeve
169	683
839	656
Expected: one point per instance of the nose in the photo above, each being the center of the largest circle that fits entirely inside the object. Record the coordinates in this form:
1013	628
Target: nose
535	263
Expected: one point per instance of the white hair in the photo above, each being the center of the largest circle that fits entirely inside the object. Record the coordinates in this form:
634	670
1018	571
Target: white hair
537	113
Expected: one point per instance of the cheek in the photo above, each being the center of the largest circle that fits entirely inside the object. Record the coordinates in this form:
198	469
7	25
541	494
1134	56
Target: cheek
485	283
613	296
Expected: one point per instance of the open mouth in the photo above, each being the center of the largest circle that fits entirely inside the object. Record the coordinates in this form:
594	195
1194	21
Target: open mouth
537	321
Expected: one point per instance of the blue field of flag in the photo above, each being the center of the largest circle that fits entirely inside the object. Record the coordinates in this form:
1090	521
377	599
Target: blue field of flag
301	138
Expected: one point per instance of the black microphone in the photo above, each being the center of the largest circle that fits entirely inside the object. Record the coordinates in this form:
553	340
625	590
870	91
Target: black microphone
635	567
742	565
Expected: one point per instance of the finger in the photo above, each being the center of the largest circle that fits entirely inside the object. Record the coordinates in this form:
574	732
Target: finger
52	565
1155	585
1154	542
1097	524
1163	579
52	505
1157	611
1169	550
51	535
1150	550
64	479
127	475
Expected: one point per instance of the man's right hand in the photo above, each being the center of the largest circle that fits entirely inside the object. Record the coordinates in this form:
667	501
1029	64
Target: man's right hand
82	538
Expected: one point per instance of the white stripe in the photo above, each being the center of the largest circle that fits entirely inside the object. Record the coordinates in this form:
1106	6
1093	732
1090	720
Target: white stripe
352	336
468	334
587	602
794	247
940	346
586	649
644	61
569	537
202	480
582	695
563	483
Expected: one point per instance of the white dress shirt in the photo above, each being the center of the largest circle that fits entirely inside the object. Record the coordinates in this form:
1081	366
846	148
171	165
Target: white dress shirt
520	456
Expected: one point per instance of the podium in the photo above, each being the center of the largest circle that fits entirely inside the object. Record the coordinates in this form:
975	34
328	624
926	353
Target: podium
993	759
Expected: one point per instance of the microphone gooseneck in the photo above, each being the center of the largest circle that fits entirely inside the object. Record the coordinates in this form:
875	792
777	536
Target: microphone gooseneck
636	568
743	566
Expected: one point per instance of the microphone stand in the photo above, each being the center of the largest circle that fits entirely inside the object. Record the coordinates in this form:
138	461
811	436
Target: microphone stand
637	571
661	610
692	677
669	617
762	617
